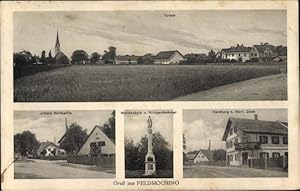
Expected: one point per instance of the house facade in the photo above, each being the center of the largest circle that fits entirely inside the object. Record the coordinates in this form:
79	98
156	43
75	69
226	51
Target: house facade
252	138
97	143
168	57
201	155
127	59
263	52
47	149
239	53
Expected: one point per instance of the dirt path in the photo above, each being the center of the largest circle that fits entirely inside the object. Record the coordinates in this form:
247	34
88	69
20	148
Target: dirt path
272	87
228	172
56	169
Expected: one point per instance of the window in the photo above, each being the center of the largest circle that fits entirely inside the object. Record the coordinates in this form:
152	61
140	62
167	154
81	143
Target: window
101	143
263	139
251	54
230	144
236	157
230	157
235	129
255	54
232	55
275	155
239	54
264	155
245	54
230	131
275	140
246	139
235	141
285	140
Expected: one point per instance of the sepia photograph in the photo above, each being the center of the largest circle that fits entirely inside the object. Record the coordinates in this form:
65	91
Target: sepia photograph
64	144
148	144
235	143
150	55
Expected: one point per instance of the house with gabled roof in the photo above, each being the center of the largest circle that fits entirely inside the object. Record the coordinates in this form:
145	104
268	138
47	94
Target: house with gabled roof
239	53
199	156
252	138
263	52
168	57
97	143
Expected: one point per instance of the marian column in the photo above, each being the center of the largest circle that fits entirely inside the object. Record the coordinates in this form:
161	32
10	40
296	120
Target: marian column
150	168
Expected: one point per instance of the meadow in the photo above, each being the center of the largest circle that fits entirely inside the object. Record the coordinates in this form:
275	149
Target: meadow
131	82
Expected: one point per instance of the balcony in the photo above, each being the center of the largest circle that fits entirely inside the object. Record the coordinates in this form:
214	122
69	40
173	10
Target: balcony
247	146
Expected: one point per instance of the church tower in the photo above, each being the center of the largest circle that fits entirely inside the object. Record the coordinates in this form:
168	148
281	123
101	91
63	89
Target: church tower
57	44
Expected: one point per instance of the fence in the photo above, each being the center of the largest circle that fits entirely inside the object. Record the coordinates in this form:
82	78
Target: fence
107	161
209	163
264	163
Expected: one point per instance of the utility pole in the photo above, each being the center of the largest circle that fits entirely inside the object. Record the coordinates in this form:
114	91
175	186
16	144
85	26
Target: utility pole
209	152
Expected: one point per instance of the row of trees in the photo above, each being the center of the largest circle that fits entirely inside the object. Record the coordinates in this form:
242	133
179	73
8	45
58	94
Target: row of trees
135	153
25	58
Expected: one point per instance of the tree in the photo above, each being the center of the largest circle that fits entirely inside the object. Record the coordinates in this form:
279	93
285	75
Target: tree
211	56
23	58
43	56
136	153
109	56
79	57
74	138
25	143
109	127
219	155
95	57
50	55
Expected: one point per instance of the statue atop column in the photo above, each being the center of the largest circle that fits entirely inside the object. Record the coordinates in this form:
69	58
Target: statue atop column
150	168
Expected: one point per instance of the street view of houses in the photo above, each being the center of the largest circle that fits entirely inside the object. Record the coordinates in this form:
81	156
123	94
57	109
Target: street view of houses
79	152
229	143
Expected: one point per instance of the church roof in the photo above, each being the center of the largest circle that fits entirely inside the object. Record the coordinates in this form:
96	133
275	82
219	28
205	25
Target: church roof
57	40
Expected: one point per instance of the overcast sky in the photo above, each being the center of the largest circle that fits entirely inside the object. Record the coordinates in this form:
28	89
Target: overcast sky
46	127
202	125
141	32
136	126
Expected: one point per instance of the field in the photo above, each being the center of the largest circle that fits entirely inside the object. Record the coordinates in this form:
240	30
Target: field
131	82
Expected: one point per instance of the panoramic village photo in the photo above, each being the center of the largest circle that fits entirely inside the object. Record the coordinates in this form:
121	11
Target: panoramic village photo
235	143
148	144
64	144
151	55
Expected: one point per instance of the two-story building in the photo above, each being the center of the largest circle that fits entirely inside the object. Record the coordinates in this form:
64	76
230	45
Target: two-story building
253	138
263	52
239	53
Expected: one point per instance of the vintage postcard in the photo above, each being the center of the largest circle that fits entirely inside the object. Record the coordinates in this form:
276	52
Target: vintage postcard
150	95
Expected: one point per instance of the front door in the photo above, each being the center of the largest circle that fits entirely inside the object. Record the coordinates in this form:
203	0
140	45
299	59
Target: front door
245	158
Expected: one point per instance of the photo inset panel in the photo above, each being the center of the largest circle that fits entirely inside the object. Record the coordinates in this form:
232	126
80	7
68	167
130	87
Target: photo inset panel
149	144
235	143
150	55
64	144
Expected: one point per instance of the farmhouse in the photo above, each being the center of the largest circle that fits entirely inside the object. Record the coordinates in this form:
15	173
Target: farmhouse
127	59
239	53
97	143
196	58
253	139
199	156
168	57
263	52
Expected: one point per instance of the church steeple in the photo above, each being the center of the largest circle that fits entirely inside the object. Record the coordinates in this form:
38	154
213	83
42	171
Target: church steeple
67	128
57	44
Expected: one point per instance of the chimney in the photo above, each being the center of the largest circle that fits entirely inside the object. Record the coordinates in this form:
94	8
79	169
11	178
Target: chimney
255	116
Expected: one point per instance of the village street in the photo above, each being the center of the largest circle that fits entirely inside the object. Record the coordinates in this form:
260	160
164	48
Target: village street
34	168
198	171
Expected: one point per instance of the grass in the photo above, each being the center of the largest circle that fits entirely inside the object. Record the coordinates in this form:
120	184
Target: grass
131	82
